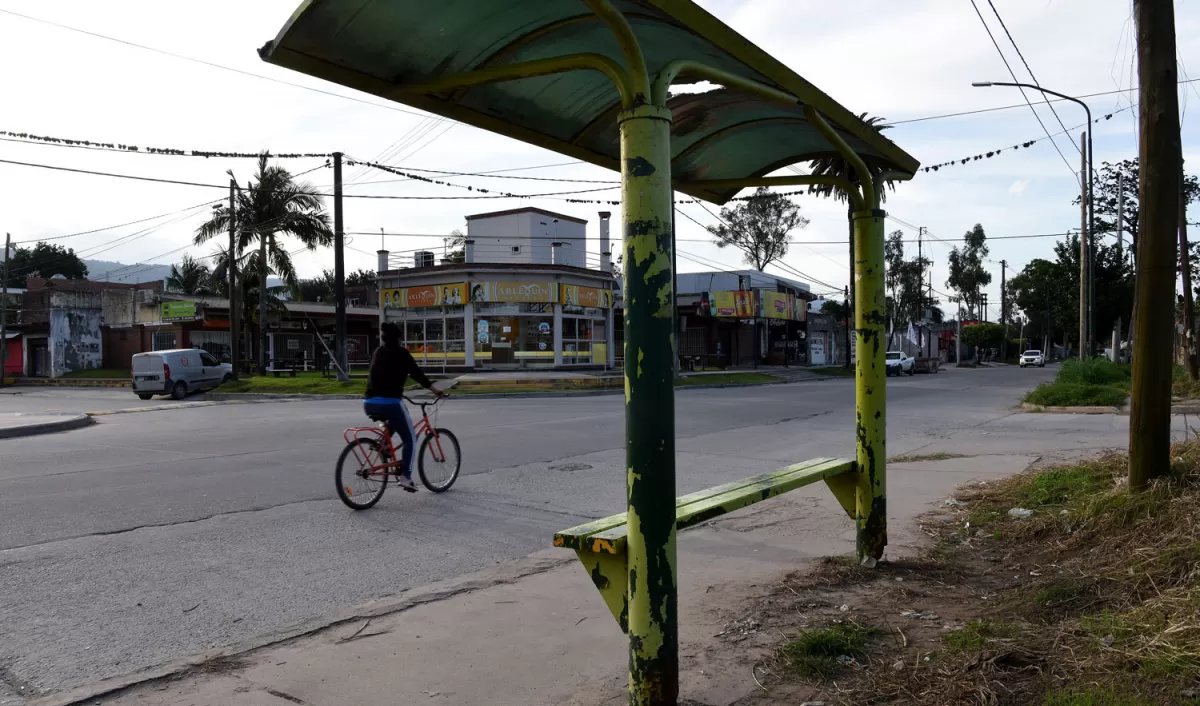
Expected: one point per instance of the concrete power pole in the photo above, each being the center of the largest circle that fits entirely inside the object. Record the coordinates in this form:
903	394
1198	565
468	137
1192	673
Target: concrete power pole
1116	336
1084	253
235	326
1185	271
1159	157
4	306
1004	309
339	272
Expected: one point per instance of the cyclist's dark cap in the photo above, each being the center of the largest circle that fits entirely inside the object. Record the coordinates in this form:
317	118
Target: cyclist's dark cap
389	332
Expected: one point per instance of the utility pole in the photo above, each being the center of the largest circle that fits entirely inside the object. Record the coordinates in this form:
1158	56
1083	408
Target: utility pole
4	306
235	326
849	311
339	271
921	264
983	307
1116	342
1189	312
1004	309
1084	255
849	291
1160	155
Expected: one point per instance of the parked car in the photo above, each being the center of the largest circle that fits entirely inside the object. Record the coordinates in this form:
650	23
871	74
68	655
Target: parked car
177	373
1033	358
898	362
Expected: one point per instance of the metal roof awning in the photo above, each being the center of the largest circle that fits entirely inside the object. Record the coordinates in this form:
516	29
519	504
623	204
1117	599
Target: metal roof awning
400	49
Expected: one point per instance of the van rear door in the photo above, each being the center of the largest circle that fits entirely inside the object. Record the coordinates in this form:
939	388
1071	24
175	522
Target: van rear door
145	364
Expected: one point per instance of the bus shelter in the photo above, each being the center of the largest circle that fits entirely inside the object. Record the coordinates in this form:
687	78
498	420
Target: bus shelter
591	79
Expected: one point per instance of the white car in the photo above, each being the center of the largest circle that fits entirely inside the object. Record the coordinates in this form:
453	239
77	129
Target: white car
1033	358
898	363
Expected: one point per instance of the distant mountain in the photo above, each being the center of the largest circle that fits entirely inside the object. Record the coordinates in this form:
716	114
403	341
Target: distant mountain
107	271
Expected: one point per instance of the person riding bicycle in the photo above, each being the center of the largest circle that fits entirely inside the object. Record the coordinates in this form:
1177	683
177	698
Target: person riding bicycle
391	366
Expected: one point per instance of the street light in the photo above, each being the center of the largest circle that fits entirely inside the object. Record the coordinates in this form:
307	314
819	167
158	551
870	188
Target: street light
1091	214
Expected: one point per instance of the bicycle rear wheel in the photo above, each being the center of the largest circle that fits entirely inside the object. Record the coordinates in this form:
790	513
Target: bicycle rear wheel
439	460
356	486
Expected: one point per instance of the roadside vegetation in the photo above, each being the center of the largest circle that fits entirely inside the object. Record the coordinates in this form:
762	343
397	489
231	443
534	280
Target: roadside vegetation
1085	383
839	370
727	379
1057	587
100	374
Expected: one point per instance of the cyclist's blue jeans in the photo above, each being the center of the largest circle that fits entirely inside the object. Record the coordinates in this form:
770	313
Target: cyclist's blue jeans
395	414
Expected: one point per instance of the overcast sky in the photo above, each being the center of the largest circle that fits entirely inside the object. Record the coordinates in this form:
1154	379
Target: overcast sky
897	60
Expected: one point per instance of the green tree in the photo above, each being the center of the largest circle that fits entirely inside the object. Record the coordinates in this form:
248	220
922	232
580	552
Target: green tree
44	260
360	278
983	336
1110	181
759	227
317	289
968	276
457	244
271	206
190	276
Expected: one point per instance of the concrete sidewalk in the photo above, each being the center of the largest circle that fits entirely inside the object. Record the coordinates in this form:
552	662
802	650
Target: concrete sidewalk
17	424
536	631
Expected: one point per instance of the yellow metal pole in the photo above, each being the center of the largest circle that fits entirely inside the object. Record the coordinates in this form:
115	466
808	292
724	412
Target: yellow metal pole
870	392
649	405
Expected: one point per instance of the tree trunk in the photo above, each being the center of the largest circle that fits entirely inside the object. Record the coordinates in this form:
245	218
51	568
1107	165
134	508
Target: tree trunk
262	303
1189	311
1158	190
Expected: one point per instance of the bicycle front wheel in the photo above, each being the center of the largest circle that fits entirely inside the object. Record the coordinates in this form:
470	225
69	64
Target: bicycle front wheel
439	460
357	485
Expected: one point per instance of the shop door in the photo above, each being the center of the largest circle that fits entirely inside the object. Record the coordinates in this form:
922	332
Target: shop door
504	340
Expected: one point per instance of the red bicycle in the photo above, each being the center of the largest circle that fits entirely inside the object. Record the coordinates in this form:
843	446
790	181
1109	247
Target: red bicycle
370	459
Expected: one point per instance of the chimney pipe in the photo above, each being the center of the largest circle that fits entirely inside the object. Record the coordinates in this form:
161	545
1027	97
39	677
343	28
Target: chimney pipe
469	250
554	252
382	264
605	252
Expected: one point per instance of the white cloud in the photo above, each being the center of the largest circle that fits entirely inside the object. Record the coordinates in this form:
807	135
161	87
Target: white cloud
1019	187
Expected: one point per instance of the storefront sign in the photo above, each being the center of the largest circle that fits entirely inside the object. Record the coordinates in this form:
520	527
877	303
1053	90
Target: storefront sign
425	295
523	292
575	295
733	304
178	311
544	328
778	305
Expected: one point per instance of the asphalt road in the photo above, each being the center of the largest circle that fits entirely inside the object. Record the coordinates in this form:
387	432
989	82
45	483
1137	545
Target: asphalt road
156	535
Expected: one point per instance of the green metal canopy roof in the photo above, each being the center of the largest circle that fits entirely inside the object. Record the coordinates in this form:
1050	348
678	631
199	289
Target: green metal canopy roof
382	46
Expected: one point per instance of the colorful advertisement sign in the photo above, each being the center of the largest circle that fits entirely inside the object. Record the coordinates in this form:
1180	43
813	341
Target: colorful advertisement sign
733	304
424	295
521	292
178	311
592	297
778	305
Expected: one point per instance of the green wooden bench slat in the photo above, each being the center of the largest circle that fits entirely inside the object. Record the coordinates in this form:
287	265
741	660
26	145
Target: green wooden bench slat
707	505
576	537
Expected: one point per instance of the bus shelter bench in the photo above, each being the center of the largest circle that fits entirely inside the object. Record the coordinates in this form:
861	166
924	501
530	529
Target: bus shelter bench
601	544
282	366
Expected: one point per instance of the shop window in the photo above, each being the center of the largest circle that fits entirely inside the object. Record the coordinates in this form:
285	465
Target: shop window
164	341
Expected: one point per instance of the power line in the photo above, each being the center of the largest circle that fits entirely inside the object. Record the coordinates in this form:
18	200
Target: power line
120	225
210	64
1016	80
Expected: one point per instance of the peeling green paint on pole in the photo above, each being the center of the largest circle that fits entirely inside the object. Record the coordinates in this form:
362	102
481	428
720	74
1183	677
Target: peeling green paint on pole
870	392
649	406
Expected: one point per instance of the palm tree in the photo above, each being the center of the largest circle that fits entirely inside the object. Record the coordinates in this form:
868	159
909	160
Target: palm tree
190	276
272	205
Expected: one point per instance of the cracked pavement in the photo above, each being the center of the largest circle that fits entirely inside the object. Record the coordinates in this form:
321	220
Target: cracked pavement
157	536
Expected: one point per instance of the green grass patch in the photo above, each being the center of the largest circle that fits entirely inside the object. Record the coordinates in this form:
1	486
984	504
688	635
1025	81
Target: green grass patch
100	373
976	634
1069	394
727	379
1182	387
837	370
1095	371
1057	486
823	653
302	384
1094	696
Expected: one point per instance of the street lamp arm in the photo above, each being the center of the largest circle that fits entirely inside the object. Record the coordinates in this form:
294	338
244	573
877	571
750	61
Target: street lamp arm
987	84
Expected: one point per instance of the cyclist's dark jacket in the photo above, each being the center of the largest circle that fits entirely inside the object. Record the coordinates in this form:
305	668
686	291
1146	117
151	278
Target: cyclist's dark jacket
391	366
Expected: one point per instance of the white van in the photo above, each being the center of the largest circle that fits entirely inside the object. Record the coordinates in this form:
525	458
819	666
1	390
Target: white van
177	372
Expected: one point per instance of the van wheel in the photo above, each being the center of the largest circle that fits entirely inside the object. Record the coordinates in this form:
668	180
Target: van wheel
144	397
179	391
226	379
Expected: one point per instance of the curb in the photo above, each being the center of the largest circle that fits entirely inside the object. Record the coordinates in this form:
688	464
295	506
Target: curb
1045	409
68	422
511	572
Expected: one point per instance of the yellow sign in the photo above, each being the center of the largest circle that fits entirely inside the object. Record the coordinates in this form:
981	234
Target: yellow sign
592	297
526	292
733	304
424	295
779	305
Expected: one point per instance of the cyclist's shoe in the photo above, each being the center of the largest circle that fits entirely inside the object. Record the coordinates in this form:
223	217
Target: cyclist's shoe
406	484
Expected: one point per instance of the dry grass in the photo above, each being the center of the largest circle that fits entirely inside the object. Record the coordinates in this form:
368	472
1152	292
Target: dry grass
1091	601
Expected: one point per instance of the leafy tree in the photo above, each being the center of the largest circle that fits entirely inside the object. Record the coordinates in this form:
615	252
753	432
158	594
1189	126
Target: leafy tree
190	276
457	241
838	310
1110	181
360	278
44	260
317	289
759	227
968	276
983	336
272	205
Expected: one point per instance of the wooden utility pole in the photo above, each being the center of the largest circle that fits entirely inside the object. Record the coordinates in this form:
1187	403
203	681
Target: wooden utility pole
339	271
1004	309
235	325
1116	342
1084	253
1185	271
4	306
1160	155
